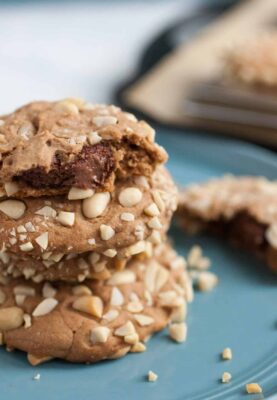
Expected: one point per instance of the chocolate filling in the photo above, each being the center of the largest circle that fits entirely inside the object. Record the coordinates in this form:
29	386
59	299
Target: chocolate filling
89	169
243	231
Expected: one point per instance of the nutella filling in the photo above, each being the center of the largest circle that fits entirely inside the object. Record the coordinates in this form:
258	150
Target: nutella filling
89	169
243	231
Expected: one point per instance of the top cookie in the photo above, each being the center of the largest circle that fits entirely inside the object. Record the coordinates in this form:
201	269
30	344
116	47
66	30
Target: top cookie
47	148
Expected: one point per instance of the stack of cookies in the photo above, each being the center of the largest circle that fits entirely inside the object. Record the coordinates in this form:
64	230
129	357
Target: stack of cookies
86	270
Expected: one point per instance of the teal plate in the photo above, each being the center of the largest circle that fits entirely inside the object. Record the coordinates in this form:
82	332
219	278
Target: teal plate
239	313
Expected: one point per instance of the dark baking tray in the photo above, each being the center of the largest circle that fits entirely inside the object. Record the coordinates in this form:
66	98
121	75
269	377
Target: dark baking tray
167	40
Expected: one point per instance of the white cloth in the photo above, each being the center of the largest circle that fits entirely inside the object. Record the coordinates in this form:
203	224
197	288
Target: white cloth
54	50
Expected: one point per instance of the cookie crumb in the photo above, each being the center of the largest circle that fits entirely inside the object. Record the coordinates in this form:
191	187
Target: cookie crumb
178	331
226	377
207	281
227	354
253	388
35	360
194	256
196	260
36	377
152	377
138	348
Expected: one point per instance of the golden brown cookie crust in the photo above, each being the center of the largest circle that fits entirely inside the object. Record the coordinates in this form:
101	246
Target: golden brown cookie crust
43	135
149	293
40	230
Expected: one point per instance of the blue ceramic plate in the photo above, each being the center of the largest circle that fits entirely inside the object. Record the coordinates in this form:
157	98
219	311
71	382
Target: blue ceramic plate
240	313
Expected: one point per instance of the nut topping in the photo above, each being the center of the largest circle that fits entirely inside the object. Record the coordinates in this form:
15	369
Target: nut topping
66	218
100	334
129	197
143	320
11	188
13	208
111	315
122	277
104	120
79	194
26	247
106	232
126	329
95	206
117	298
92	305
11	318
45	307
152	210
48	291
24	290
42	240
81	290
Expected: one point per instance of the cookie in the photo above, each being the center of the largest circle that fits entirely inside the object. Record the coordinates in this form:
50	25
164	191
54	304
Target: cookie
69	267
48	148
47	228
97	320
242	209
254	63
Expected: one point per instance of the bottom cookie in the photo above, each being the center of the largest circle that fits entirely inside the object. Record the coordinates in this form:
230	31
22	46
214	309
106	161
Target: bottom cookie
96	320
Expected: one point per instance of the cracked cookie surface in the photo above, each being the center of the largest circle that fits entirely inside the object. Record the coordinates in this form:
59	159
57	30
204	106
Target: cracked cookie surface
47	148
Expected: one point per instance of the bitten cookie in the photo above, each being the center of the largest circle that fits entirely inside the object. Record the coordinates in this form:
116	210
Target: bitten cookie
242	209
97	320
49	148
116	224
